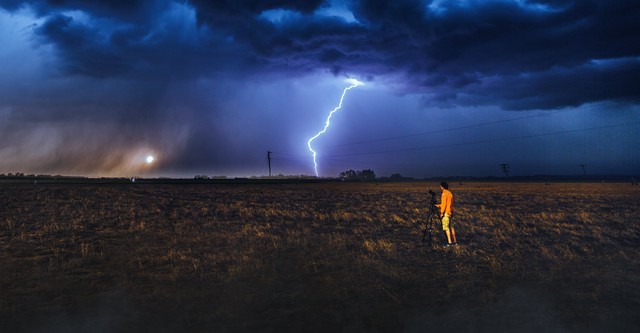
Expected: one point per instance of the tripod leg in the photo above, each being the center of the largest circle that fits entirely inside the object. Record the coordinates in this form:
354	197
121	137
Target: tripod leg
429	230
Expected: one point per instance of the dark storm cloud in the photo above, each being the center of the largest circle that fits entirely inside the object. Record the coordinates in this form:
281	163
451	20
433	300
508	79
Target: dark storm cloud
446	49
230	12
129	9
144	45
84	51
590	83
485	50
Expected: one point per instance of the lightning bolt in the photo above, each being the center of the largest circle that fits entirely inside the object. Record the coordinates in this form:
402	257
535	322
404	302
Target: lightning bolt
353	83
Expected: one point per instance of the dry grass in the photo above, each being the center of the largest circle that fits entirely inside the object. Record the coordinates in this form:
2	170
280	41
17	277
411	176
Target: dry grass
317	257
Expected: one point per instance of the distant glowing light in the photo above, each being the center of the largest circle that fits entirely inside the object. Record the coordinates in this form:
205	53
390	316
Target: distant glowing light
150	159
352	84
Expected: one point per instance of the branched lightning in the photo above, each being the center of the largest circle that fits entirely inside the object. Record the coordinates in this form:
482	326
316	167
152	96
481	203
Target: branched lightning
353	83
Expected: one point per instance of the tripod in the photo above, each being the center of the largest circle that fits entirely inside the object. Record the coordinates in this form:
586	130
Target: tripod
432	217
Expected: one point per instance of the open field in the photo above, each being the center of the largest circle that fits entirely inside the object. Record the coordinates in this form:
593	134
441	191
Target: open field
317	257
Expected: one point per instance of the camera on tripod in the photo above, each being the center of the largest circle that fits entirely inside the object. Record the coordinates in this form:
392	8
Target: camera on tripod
433	197
432	217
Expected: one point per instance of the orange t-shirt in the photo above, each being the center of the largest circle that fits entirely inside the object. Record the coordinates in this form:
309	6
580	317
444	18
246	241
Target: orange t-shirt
446	202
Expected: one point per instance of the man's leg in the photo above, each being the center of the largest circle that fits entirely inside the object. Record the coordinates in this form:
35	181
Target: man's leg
446	221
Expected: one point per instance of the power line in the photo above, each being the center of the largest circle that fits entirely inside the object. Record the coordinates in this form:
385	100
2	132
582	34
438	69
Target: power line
444	130
332	160
391	138
484	141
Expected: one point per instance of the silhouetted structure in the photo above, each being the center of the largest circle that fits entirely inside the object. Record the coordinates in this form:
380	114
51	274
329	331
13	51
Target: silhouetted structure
505	168
584	170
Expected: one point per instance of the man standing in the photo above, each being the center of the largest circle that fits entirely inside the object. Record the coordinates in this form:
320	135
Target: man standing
446	209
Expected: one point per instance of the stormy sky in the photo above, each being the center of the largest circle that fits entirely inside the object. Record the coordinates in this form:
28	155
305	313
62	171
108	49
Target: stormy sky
93	87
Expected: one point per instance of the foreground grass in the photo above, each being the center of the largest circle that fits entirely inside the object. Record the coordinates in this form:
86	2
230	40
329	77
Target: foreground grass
317	257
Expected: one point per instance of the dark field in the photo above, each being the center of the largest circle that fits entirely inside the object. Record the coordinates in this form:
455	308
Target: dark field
319	257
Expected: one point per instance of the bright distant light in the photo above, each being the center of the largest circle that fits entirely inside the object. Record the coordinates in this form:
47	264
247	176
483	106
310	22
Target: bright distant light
150	159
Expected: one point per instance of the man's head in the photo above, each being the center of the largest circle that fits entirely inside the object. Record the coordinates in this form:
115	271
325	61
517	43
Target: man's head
444	185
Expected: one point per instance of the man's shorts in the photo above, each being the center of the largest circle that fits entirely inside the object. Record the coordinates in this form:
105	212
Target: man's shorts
446	222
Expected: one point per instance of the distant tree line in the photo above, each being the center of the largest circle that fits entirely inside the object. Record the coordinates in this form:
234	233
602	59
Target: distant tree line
362	175
17	174
209	177
22	175
281	176
278	176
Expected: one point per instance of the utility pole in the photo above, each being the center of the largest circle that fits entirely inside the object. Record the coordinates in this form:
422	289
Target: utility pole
505	168
269	160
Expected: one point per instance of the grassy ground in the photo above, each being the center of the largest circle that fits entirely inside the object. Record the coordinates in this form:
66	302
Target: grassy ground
317	257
